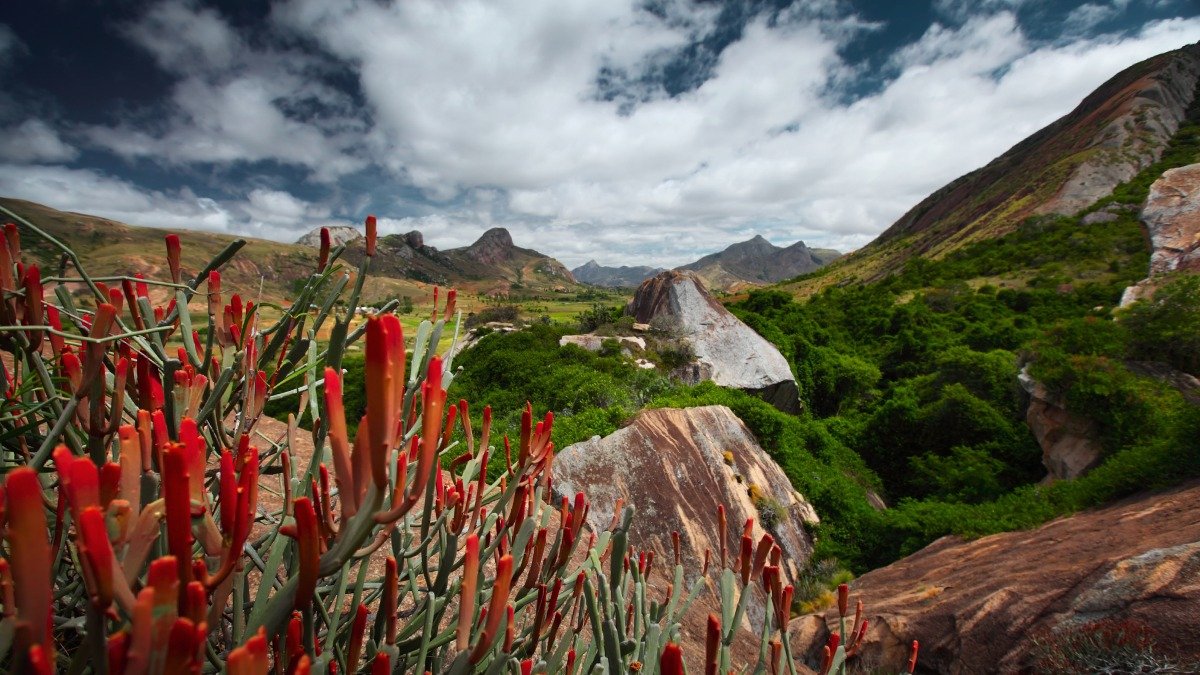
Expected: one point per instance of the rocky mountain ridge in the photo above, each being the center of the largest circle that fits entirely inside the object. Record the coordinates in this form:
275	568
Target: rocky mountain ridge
757	261
595	274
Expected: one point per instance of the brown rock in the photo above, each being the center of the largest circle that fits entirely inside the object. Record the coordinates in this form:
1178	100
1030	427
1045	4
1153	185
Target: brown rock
974	605
1172	219
1070	443
675	467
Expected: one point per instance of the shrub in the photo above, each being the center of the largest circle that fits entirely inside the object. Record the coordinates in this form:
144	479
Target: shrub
1101	647
262	554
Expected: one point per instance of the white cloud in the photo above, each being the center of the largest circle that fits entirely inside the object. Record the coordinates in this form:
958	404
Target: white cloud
264	213
501	95
961	10
34	141
234	103
10	45
1088	16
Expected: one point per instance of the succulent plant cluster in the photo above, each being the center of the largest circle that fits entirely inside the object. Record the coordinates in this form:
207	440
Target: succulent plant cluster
138	536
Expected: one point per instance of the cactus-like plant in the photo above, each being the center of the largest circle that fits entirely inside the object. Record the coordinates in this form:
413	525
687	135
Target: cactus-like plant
135	541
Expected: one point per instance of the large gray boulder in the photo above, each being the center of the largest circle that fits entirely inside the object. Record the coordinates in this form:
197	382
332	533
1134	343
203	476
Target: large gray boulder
338	235
727	351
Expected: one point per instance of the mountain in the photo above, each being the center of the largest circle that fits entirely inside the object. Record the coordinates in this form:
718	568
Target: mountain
758	261
595	274
1116	131
493	264
267	270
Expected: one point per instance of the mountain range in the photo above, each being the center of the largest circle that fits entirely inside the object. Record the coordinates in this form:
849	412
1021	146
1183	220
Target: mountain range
753	262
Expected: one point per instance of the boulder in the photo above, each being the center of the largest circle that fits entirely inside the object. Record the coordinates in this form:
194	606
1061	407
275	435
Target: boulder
1070	443
338	235
727	351
675	466
974	605
1172	219
593	343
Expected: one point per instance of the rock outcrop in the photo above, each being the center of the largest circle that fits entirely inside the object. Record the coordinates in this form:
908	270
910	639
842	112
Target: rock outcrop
594	343
727	351
974	605
1172	219
675	467
1070	443
338	235
492	247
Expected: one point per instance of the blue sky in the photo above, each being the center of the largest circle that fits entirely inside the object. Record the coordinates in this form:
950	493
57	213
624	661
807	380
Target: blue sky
647	132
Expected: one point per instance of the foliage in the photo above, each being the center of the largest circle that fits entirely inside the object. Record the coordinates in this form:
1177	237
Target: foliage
1102	647
597	315
1167	326
500	313
124	437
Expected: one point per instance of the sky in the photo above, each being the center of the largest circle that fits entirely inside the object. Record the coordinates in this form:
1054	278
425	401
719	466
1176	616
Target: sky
647	132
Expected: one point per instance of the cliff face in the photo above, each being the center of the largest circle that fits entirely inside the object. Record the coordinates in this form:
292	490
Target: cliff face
728	352
975	605
675	467
1171	215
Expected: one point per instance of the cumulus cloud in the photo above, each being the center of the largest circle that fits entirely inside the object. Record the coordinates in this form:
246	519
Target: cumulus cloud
607	130
263	213
34	141
476	94
235	103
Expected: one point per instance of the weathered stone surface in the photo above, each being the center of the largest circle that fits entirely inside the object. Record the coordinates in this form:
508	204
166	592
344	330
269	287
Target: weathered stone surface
338	235
1070	443
1172	218
1151	111
975	604
1097	217
593	343
492	247
672	466
728	352
1171	215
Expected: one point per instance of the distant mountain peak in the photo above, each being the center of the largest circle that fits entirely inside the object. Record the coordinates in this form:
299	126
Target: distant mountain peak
338	234
758	261
494	246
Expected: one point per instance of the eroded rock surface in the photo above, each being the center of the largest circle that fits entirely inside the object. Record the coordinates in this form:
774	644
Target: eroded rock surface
594	343
675	467
728	352
338	235
1070	443
975	604
1172	219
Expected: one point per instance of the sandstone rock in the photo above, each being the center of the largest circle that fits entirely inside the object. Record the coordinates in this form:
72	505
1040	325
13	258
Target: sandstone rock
728	352
672	466
593	343
1070	443
1097	217
975	604
1172	219
338	235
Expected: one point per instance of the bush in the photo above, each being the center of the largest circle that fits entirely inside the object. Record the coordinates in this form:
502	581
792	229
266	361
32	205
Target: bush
1104	646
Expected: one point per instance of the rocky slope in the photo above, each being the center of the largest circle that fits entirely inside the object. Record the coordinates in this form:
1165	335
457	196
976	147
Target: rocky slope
675	467
758	261
1120	128
595	274
975	605
727	351
338	235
